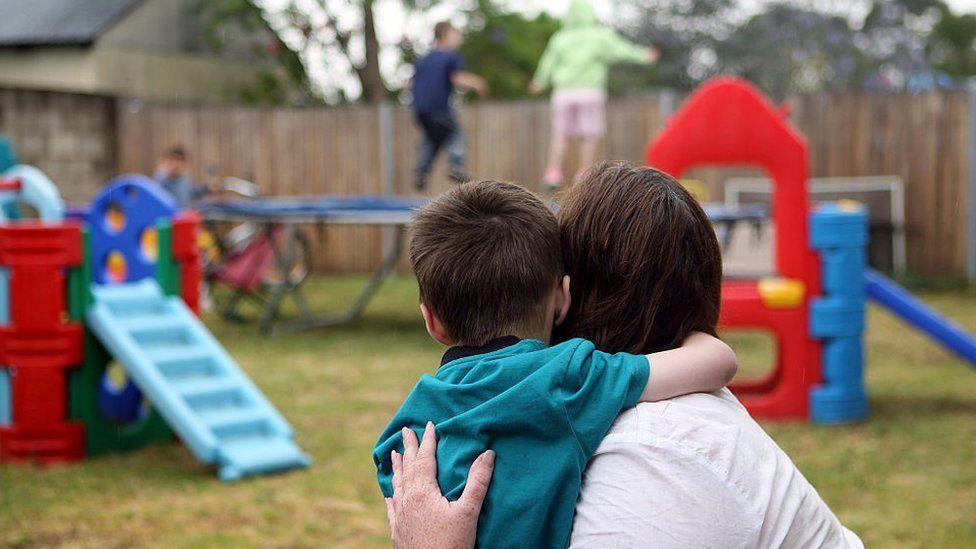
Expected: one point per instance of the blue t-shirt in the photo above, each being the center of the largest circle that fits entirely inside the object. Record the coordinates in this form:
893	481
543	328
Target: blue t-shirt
179	187
432	85
544	410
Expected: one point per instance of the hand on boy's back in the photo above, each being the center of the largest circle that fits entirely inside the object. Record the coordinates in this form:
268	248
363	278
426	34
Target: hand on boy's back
420	516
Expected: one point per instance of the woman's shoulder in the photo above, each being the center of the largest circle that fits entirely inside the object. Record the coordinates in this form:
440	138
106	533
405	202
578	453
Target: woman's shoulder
713	428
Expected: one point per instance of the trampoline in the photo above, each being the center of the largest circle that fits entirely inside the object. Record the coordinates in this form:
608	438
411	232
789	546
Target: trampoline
278	218
726	218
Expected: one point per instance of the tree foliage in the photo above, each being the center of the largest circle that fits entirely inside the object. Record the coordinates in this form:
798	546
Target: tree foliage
240	24
952	44
505	47
786	46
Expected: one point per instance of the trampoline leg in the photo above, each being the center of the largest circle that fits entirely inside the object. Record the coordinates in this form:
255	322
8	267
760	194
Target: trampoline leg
229	310
381	273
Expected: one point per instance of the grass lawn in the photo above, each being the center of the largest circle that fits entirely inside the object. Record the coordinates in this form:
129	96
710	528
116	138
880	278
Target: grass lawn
906	478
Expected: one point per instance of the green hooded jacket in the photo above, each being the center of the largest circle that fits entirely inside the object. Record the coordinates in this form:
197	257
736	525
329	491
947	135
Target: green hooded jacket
579	55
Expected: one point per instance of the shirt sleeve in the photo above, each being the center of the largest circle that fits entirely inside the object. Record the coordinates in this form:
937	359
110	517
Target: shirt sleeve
455	64
597	387
620	50
543	71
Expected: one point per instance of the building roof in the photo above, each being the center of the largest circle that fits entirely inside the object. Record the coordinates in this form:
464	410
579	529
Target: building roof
58	22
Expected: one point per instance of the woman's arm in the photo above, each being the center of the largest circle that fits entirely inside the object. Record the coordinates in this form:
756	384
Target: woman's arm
702	364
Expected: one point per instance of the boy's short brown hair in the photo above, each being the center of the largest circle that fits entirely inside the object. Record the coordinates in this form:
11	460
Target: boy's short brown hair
441	29
175	153
644	260
486	255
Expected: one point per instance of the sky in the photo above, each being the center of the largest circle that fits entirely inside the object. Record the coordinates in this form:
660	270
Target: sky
329	70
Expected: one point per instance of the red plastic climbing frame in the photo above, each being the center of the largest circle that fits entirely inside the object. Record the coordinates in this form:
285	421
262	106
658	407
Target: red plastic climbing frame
186	252
38	345
727	122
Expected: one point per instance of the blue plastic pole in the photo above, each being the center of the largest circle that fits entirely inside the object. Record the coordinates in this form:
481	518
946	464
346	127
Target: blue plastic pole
915	312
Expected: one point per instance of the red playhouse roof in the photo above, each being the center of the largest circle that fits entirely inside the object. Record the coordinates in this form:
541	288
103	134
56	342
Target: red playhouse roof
729	122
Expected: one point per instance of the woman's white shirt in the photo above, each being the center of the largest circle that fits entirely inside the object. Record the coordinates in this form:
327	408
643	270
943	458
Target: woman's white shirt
698	471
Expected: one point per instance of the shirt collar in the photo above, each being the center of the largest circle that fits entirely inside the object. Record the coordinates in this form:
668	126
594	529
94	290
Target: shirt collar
463	351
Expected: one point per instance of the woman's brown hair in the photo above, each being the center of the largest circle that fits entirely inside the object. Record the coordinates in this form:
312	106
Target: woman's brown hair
643	258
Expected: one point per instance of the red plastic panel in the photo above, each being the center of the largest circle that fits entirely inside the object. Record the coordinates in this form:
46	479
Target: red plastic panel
186	251
784	394
39	345
47	445
728	122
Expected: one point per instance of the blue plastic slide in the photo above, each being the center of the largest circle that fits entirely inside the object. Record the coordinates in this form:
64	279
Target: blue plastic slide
914	311
197	387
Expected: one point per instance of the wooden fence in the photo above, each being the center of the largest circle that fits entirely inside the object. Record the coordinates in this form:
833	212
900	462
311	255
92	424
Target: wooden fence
924	139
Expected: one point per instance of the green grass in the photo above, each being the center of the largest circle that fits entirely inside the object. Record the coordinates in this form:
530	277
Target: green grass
906	478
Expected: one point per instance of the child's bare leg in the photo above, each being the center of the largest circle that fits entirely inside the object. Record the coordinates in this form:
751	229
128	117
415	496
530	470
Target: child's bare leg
554	170
587	154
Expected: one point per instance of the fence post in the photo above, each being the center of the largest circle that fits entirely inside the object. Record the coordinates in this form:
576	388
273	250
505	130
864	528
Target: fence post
668	103
387	186
971	212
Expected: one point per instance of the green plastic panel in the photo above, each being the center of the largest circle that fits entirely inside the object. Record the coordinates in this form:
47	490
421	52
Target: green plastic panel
101	434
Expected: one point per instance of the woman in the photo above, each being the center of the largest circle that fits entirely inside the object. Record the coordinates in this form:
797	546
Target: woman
693	471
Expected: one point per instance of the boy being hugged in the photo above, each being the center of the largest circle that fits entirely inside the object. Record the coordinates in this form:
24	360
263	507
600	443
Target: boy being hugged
492	286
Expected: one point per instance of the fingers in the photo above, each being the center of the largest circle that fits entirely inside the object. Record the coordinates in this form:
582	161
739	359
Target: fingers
397	461
428	444
425	463
409	446
390	513
479	478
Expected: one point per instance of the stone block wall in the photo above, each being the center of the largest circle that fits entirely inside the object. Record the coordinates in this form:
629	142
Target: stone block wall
70	137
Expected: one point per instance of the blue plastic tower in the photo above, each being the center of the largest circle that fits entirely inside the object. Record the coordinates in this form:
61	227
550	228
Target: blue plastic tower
838	231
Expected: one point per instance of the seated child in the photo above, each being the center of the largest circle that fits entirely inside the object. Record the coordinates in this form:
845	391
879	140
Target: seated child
492	286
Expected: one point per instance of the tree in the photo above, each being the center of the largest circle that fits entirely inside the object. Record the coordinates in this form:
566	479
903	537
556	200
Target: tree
786	49
505	47
240	24
951	46
893	38
343	33
687	32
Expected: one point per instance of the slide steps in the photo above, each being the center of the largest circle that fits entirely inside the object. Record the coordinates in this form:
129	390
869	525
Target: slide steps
196	386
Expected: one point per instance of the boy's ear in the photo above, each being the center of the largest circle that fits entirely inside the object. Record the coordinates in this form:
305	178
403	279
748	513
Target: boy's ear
563	300
435	327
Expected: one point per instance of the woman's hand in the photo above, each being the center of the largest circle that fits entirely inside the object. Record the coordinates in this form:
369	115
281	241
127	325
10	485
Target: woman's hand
420	516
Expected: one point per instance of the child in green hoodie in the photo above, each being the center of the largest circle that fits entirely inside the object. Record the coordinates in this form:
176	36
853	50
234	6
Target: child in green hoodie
575	65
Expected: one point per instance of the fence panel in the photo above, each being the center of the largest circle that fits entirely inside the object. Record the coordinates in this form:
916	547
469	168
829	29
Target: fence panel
924	139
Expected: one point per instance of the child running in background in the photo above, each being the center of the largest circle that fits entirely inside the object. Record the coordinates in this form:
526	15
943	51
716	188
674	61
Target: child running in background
435	77
575	65
173	175
490	270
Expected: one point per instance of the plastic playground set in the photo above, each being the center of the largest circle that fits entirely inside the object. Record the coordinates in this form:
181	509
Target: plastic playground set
120	282
815	305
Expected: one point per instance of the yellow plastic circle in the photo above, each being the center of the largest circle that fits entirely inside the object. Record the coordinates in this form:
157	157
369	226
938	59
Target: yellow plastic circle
116	267
149	244
781	293
848	205
115	217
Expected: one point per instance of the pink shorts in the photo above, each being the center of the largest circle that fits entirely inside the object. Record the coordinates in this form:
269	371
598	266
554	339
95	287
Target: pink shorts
578	113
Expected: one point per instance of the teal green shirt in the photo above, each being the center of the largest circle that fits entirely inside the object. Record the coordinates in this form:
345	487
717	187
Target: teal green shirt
544	410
